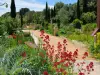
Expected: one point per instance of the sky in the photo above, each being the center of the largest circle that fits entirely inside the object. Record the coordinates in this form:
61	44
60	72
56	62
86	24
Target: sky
37	5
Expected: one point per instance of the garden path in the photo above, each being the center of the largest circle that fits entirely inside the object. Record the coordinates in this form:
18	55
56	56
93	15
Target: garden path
71	47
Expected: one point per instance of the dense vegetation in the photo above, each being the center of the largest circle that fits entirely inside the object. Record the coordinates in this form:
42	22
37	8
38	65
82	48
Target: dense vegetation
74	21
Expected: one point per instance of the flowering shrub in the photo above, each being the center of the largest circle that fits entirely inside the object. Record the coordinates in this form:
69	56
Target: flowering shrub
63	61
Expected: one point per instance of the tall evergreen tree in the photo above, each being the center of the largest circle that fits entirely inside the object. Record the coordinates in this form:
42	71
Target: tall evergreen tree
78	9
46	12
85	7
13	9
54	11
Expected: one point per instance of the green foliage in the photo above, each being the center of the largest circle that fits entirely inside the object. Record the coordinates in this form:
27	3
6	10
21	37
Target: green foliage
92	5
7	42
46	25
58	6
81	37
9	61
66	14
77	23
2	29
29	17
85	7
33	64
98	38
38	17
37	26
50	29
95	50
63	16
78	9
88	28
88	17
66	30
58	23
47	13
11	24
23	11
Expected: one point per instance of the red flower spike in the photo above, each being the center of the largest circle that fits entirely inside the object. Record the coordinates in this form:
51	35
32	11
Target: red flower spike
65	73
14	36
81	73
56	64
61	70
64	41
47	37
23	54
76	49
86	54
45	73
92	69
66	64
67	58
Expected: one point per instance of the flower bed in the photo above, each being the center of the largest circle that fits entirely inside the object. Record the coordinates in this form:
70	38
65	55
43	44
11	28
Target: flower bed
49	60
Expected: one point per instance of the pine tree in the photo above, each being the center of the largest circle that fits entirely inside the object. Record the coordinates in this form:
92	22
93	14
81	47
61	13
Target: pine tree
78	9
13	9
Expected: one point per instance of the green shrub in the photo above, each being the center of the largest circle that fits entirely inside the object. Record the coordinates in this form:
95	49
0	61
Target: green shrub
11	24
88	17
66	30
2	50
98	38
88	28
51	28
2	29
37	26
77	23
46	25
7	42
82	37
62	31
95	48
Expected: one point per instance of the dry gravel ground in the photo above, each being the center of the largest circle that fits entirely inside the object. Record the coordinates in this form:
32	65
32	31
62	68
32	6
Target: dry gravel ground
72	46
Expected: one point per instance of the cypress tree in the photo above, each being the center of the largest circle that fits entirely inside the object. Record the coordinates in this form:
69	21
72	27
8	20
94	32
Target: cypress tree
54	11
46	12
78	9
13	9
85	7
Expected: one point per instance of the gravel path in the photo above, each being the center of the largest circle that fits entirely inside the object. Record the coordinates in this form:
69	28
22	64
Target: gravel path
72	46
